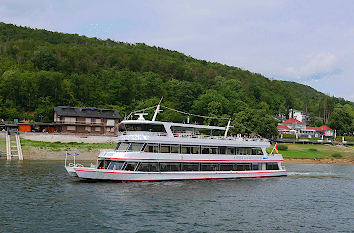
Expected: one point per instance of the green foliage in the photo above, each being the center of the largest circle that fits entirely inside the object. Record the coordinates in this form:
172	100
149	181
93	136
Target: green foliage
44	58
255	121
40	69
282	147
341	120
289	136
337	155
312	149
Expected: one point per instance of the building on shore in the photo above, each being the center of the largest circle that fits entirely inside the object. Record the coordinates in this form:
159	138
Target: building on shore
90	120
299	115
294	126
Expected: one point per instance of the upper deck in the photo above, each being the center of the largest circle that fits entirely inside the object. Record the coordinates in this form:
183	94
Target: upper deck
168	132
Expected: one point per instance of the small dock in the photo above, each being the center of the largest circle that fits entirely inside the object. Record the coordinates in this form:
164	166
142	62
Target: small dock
13	145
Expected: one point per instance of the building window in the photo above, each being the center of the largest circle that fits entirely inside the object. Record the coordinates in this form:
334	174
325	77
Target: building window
110	122
70	127
70	119
97	129
88	128
88	120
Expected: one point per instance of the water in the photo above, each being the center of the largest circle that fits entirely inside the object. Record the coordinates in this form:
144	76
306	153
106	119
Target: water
38	196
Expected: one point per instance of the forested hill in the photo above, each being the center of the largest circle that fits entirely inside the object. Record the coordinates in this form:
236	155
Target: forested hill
41	69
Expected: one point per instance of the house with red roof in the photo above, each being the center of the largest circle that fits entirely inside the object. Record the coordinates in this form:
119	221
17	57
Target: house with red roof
294	126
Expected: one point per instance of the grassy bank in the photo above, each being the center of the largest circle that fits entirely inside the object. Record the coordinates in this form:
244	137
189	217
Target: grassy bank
309	151
68	146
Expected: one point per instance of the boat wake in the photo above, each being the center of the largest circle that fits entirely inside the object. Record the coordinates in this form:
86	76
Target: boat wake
313	174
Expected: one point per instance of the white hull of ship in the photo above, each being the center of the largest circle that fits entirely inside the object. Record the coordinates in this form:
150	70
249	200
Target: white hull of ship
105	174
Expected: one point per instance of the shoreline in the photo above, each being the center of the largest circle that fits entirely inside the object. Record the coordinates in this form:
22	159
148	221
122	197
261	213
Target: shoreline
33	154
318	161
52	147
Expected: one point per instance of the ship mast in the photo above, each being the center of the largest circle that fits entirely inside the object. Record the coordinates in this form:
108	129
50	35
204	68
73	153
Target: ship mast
157	110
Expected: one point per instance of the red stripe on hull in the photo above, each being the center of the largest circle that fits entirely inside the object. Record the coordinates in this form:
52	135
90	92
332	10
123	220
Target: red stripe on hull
219	178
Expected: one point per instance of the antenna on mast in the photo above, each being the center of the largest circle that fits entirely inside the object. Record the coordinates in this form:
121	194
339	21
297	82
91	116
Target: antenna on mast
157	110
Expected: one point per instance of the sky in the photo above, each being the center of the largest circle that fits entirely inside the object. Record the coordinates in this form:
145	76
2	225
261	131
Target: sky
306	41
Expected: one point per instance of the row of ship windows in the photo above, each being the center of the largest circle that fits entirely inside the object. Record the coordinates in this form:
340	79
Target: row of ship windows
187	149
165	167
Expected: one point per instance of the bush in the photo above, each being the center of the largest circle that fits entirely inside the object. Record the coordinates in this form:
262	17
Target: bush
282	147
348	138
289	136
312	149
337	155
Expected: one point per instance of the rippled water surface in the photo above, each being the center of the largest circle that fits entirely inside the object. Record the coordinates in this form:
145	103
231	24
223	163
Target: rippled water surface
38	196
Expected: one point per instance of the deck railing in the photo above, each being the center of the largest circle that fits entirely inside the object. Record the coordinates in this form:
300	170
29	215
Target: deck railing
190	135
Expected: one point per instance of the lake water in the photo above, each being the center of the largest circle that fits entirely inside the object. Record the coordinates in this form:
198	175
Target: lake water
38	196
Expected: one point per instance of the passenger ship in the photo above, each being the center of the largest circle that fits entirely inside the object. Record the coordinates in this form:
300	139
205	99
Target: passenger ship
150	150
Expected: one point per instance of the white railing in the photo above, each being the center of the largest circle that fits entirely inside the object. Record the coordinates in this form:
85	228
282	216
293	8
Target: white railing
190	135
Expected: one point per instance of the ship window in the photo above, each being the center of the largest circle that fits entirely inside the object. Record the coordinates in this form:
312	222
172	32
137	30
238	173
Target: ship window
145	127
257	151
174	148
115	165
226	167
241	151
190	166
205	150
100	164
209	150
255	166
195	149
103	164
272	166
230	150
154	148
122	146
243	167
148	167
165	167
165	149
130	166
209	167
135	146
248	151
222	150
186	150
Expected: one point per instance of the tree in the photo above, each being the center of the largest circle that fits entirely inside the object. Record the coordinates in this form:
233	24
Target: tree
44	58
341	120
254	121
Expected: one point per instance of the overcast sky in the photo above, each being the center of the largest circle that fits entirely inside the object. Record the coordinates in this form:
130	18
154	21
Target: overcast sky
310	42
